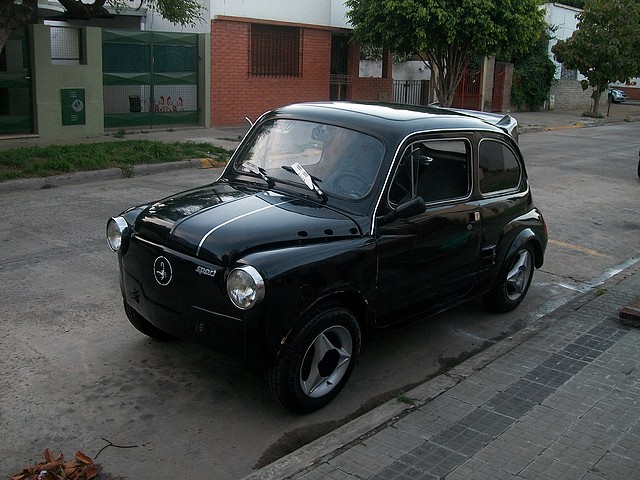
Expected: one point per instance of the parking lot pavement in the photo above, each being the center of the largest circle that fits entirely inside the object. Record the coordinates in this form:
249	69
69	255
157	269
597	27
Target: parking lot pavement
560	399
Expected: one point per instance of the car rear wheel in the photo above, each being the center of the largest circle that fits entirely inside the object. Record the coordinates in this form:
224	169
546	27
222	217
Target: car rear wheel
145	326
513	283
317	361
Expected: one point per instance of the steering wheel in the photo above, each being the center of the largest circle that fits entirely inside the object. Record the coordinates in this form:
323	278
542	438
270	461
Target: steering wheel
351	184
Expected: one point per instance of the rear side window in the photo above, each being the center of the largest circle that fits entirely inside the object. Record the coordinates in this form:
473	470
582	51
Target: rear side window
499	167
436	170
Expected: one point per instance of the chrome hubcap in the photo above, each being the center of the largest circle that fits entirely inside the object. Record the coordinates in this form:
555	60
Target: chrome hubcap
518	276
326	361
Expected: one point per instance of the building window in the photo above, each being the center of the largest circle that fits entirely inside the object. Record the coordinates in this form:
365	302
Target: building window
275	51
66	46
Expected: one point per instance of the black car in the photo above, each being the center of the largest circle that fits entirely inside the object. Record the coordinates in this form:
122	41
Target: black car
331	221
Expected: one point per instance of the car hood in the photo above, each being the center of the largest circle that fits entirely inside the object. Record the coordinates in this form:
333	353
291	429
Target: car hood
219	222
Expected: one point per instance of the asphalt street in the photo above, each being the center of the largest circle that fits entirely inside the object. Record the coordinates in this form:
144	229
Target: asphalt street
76	375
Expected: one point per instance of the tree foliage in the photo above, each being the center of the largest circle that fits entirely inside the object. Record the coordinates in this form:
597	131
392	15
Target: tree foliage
14	13
606	47
449	32
573	3
533	75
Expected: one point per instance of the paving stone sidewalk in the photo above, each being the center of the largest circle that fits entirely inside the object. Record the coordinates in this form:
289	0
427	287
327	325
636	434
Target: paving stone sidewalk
563	402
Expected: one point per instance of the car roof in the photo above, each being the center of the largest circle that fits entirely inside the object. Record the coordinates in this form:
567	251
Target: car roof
389	119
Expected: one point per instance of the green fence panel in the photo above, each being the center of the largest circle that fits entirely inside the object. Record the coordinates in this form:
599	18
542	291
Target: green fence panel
126	78
175	58
150	78
176	78
15	124
128	120
16	114
175	118
118	57
126	36
14	80
175	38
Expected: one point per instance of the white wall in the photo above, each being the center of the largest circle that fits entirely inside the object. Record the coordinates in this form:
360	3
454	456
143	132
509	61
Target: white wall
313	12
563	19
153	21
409	70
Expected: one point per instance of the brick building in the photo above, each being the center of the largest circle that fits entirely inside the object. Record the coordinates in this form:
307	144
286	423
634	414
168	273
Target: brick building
267	54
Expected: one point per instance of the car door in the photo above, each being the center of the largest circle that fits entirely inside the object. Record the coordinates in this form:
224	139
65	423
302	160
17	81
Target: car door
428	260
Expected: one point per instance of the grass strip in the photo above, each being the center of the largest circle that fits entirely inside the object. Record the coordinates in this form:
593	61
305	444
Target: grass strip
24	162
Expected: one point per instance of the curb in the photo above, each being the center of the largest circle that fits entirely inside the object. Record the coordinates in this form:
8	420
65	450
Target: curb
77	178
587	122
308	457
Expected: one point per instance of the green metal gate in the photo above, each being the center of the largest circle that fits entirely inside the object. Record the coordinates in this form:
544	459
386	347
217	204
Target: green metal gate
149	78
16	114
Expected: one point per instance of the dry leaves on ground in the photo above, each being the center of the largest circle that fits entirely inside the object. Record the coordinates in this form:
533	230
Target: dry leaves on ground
81	468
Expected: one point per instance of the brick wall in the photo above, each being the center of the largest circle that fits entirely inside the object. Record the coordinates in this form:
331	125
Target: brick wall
234	94
632	93
569	95
369	88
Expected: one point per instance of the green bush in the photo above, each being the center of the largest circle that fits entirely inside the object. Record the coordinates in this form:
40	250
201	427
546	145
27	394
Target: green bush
533	76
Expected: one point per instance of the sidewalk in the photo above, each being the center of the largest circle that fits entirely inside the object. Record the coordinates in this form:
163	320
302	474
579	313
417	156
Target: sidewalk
229	137
560	399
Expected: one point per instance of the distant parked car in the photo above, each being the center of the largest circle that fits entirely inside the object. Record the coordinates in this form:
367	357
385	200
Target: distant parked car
616	96
330	221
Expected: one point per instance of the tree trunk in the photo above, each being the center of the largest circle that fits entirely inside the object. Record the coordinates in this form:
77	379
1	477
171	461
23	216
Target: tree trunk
449	69
596	95
13	15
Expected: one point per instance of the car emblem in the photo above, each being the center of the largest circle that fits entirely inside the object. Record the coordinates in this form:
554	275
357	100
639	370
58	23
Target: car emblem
205	271
162	271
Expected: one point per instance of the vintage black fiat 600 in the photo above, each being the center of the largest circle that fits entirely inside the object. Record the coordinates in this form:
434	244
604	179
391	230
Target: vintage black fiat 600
332	220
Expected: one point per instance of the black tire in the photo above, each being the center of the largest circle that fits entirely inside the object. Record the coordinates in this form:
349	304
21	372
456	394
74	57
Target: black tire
513	283
144	326
317	361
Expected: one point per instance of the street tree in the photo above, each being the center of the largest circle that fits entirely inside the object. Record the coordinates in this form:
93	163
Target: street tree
450	33
605	47
14	13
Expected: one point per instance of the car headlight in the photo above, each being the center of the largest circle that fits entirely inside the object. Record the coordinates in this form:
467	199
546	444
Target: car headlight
245	287
117	233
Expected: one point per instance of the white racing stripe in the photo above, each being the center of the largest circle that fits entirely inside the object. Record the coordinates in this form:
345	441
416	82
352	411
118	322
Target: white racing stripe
206	235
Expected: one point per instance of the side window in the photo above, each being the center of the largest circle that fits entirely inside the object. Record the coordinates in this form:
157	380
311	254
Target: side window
499	167
435	170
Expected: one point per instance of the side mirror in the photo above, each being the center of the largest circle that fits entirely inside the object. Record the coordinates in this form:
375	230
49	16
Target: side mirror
408	209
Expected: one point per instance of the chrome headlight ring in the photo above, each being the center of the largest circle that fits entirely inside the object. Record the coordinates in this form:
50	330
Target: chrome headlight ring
245	287
117	233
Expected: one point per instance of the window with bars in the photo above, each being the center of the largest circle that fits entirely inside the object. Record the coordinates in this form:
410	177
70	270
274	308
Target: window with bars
66	46
275	51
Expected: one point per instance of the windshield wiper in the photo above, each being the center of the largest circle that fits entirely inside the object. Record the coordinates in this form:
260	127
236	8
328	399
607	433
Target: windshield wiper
253	168
309	180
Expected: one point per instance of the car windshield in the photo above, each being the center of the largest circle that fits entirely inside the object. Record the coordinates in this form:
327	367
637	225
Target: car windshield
339	161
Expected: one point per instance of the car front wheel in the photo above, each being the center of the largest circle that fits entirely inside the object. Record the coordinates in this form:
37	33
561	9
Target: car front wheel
513	282
317	361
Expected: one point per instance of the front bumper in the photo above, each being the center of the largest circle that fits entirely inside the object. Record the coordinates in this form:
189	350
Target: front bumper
191	305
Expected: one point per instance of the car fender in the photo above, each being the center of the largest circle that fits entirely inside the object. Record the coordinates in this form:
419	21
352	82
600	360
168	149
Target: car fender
299	277
530	228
